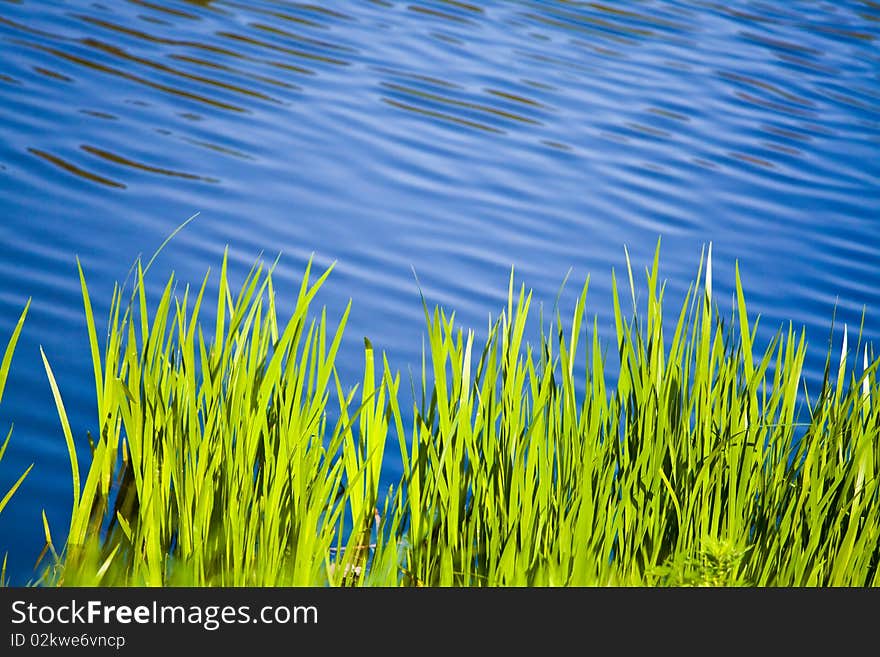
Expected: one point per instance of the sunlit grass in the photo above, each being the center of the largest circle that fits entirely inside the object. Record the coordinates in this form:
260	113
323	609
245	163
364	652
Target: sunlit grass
5	365
216	458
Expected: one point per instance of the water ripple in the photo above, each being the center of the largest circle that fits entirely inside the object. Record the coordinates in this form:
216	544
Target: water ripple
69	167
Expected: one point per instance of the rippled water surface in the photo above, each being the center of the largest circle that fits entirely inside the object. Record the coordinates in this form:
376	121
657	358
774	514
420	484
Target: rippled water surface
451	138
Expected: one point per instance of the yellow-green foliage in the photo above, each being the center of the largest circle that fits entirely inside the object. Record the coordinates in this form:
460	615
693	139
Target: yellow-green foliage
215	460
5	364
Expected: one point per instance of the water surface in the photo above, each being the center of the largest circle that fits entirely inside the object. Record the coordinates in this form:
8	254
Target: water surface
452	139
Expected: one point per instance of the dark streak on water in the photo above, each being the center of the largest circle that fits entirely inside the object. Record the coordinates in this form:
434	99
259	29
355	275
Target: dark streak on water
453	138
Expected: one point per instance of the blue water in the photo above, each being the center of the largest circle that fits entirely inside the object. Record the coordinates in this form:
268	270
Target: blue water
452	139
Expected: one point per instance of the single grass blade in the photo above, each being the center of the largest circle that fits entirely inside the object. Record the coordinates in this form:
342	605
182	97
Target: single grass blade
65	425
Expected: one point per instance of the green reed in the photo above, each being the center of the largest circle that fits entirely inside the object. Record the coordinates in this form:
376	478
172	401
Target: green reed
5	364
702	461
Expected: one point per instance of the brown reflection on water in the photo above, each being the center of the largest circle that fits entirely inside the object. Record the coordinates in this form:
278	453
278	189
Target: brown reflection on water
27	29
51	74
766	86
61	163
82	61
100	115
515	98
282	15
119	53
668	114
453	5
124	161
443	100
217	148
443	117
778	44
751	159
840	32
646	129
297	21
152	38
305	41
198	61
436	13
196	45
463	5
179	13
787	133
293	52
398	73
628	14
776	108
595	27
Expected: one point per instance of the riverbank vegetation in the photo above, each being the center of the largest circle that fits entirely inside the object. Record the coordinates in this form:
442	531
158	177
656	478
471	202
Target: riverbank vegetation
673	452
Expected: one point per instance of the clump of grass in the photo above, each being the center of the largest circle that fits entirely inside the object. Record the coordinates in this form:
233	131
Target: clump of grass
512	479
214	463
5	364
215	460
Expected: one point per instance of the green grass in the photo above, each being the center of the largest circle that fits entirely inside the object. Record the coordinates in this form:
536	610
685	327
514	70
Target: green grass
5	364
232	454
